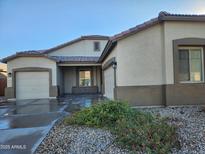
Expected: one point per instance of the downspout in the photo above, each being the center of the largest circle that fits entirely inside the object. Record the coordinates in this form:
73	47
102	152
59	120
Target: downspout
164	76
114	66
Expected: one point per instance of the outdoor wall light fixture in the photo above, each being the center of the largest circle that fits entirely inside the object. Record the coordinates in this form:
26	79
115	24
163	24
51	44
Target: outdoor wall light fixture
114	65
9	74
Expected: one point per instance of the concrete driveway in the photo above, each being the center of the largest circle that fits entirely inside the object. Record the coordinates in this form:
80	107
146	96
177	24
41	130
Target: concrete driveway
24	124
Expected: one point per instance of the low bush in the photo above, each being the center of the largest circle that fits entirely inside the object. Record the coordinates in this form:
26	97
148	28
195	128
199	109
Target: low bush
104	114
134	130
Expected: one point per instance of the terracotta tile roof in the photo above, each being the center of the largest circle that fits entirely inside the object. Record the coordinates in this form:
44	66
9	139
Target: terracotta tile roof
164	13
88	37
163	16
64	59
135	29
43	53
59	59
30	53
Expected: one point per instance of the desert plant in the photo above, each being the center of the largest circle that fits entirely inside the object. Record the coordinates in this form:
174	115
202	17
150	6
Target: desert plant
134	130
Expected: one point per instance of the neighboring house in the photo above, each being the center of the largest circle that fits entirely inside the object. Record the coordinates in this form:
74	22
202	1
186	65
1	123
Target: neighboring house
3	78
160	62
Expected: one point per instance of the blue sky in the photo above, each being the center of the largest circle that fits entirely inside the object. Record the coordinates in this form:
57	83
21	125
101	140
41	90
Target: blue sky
41	24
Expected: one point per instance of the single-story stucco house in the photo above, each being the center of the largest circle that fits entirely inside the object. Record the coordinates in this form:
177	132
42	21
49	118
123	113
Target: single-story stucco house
160	62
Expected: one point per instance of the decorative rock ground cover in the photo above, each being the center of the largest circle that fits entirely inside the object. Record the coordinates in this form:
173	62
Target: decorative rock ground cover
78	140
190	122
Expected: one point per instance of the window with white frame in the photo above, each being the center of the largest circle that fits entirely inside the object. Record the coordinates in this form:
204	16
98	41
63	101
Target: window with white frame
191	64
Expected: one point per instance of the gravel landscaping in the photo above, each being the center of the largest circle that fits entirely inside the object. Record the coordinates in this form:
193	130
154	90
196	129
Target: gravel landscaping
189	120
78	140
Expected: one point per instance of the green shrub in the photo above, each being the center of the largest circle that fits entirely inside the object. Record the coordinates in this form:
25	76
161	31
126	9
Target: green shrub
154	136
103	114
134	130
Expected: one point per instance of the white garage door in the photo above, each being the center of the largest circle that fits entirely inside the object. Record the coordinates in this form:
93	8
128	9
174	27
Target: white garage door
32	85
109	82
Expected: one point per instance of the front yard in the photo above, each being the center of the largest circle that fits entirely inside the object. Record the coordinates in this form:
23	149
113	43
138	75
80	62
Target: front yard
114	127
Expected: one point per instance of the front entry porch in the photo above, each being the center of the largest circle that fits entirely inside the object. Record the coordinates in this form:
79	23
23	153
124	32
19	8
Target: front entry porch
85	79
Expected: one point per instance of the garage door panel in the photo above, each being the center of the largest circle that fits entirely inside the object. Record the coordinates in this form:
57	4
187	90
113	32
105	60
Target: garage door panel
32	85
109	82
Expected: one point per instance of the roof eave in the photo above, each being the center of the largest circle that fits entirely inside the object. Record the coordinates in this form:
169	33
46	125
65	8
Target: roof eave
165	16
162	17
75	41
5	60
109	46
138	30
78	62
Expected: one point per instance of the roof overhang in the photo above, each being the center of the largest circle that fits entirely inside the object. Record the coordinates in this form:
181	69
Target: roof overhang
18	55
162	17
88	37
108	48
44	53
79	64
60	60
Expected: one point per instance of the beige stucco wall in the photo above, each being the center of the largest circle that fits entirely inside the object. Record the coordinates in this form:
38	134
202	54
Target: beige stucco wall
23	62
178	30
146	58
81	48
139	58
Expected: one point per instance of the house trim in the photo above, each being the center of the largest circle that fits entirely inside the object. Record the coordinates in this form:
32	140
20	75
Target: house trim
89	89
78	69
184	42
77	64
141	95
11	91
162	17
172	17
185	94
18	55
163	95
